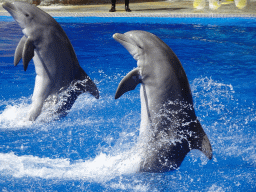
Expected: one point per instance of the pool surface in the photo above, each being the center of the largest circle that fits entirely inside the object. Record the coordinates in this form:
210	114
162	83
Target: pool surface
87	150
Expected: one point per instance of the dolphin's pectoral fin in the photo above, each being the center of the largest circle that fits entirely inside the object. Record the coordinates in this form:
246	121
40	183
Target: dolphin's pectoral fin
128	83
28	53
200	141
19	50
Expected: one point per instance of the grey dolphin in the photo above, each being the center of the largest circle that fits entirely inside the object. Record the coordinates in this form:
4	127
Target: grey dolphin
169	127
56	64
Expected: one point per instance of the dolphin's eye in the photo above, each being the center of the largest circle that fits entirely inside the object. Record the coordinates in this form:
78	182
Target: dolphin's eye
26	14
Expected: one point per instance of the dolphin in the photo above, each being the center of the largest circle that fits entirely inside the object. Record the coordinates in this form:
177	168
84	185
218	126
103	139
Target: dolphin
169	127
56	64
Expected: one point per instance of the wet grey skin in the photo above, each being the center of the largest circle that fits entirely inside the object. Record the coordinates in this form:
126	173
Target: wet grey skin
169	127
54	58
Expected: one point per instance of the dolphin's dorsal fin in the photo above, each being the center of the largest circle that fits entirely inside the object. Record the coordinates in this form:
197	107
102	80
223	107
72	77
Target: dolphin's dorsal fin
19	50
28	52
200	141
128	83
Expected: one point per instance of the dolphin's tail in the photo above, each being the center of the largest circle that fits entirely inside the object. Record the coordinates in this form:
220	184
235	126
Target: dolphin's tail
200	140
83	83
70	95
89	86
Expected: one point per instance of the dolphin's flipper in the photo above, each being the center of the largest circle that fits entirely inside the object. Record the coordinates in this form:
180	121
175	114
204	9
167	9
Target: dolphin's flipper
128	83
28	53
19	50
200	141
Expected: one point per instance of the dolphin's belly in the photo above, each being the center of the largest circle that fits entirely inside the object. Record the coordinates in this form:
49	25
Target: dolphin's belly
145	116
54	68
40	67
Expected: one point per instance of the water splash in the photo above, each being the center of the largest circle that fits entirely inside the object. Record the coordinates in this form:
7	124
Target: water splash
113	167
14	114
230	120
103	168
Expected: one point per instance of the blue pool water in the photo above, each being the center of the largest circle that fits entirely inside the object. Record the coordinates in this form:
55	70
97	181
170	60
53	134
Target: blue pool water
87	150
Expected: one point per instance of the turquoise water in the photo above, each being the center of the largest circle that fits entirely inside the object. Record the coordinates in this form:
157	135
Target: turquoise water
87	150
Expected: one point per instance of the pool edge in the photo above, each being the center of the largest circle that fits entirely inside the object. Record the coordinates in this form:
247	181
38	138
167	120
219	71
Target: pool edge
170	15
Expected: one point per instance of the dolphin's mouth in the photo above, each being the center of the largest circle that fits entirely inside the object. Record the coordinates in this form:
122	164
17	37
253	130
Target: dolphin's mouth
128	43
122	38
17	15
9	7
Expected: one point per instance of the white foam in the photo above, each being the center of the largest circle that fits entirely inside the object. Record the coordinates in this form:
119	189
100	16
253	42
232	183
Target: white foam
215	188
14	115
101	169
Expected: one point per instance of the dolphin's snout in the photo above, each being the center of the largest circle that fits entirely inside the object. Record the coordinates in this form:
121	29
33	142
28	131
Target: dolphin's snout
114	36
8	7
117	36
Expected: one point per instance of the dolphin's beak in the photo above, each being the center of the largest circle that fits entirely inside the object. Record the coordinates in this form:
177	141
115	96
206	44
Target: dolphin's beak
119	37
8	7
115	36
15	13
128	43
123	39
